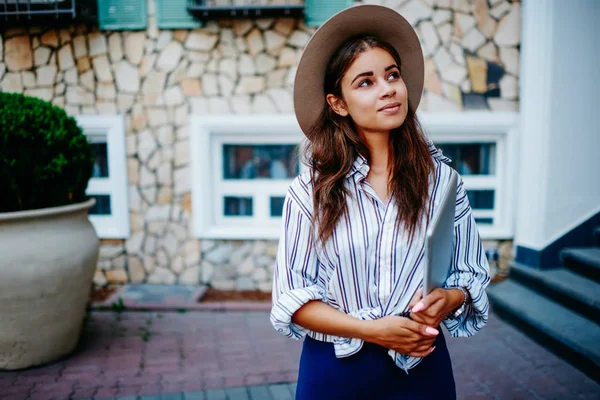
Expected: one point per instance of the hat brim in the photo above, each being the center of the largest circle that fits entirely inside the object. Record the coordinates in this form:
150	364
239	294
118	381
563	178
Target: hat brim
381	22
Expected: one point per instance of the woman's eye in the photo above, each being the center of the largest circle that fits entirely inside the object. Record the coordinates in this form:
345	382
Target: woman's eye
364	83
394	75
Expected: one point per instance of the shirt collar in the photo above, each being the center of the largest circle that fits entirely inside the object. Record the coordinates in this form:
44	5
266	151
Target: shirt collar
361	165
437	153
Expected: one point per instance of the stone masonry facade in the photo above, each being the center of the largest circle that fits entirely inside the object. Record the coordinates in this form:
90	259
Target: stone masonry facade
157	79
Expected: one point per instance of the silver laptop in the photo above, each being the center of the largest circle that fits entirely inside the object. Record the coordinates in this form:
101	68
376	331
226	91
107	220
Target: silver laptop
439	240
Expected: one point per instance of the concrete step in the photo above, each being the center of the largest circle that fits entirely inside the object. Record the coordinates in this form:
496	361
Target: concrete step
566	333
572	290
583	260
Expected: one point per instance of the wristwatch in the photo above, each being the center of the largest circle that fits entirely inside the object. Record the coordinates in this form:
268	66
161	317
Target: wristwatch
456	313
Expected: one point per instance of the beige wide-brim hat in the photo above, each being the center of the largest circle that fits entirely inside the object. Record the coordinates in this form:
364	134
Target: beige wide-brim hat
381	22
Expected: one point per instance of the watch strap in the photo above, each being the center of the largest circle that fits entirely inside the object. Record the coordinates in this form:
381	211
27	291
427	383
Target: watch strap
456	313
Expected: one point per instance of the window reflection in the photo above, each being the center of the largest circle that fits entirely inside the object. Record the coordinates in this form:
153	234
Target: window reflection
260	161
102	206
249	3
101	163
277	206
237	206
481	199
471	158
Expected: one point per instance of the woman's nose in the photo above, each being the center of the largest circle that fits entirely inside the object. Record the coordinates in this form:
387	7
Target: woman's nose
388	89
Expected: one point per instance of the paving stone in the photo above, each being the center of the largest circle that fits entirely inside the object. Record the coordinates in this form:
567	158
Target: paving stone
498	362
217	394
237	393
292	387
171	396
281	392
194	396
260	393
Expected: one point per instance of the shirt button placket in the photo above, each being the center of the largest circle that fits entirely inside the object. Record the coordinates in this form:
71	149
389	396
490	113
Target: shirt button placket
384	262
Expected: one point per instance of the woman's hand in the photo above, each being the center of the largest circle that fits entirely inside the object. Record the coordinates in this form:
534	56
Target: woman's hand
402	335
433	308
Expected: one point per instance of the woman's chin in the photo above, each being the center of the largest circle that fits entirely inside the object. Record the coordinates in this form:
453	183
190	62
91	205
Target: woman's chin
391	124
383	124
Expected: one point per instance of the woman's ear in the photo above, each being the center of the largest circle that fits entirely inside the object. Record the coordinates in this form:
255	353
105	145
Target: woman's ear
337	105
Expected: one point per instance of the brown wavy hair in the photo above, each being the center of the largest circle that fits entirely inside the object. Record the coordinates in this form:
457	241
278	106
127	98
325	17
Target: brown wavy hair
335	144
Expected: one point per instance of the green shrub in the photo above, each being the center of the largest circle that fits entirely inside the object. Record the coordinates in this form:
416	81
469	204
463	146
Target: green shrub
45	159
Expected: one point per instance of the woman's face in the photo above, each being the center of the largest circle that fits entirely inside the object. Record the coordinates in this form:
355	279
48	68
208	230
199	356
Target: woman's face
374	94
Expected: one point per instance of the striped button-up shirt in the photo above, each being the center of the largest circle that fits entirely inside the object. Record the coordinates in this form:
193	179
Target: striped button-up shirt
368	269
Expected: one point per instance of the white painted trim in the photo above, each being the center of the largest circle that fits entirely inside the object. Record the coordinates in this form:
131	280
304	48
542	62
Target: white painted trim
500	128
535	93
468	123
209	132
111	129
484	213
480	182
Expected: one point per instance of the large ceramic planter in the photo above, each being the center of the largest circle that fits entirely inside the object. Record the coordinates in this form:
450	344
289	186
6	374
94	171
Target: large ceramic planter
47	263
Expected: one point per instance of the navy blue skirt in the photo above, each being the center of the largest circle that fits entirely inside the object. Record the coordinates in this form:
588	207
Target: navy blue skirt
372	374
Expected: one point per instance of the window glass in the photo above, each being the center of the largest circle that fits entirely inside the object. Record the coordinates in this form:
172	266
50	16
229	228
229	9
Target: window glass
481	199
101	163
260	161
277	206
237	206
248	3
102	206
471	158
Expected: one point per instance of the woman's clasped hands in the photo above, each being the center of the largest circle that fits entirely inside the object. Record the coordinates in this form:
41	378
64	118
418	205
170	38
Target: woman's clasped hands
414	336
432	309
402	335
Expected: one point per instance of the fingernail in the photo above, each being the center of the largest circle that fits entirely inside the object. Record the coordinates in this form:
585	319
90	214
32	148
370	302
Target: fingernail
431	331
432	349
418	307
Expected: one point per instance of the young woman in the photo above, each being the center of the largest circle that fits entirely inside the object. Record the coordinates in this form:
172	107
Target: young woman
349	269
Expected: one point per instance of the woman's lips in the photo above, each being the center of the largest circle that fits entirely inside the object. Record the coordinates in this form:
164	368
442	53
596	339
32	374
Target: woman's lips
391	108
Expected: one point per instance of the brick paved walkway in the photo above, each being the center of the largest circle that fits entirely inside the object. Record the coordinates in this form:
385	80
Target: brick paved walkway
145	354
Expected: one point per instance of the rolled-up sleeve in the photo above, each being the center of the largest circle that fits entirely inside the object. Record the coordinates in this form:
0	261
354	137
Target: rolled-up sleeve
470	269
295	278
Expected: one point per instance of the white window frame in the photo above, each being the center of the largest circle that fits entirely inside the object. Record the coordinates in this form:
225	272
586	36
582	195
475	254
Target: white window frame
109	128
499	128
209	133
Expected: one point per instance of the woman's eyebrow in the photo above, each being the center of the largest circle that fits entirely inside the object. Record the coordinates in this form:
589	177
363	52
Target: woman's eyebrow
370	73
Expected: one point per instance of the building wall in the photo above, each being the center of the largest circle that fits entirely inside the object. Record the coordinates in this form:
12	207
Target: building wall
159	78
559	187
572	195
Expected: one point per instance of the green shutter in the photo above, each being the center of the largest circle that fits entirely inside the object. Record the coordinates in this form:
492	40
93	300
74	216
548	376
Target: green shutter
122	14
173	14
318	11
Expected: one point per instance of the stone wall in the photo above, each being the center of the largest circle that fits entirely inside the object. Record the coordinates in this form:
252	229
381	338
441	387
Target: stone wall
158	78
